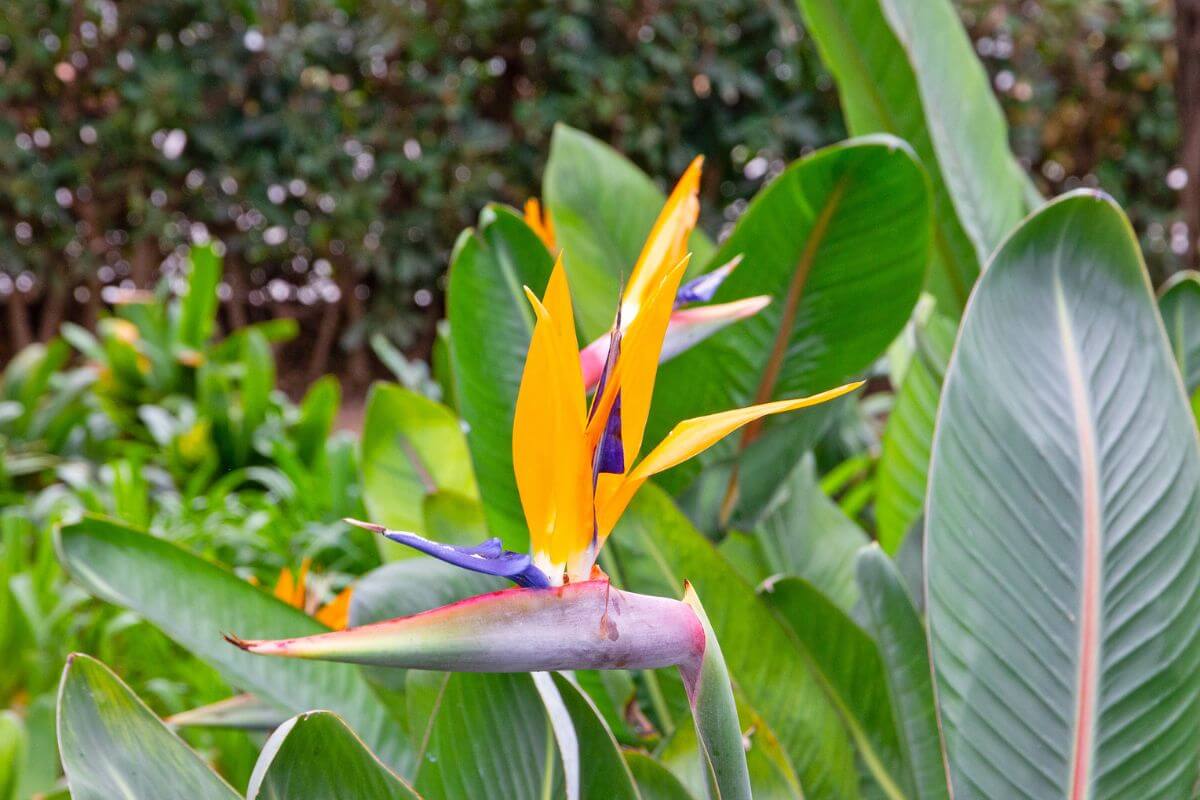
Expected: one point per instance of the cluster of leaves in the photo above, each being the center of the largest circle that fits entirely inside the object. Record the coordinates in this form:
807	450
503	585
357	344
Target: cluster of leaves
153	421
337	148
1021	626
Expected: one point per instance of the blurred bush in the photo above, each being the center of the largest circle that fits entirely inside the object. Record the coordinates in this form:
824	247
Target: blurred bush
1088	87
336	148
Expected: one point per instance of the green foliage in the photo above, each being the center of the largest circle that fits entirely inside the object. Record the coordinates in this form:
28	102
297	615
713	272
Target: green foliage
1052	453
142	573
112	745
904	460
491	323
1063	488
840	241
295	764
332	144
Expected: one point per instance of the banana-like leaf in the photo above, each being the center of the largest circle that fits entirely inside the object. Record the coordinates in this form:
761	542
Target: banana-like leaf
840	241
317	755
112	745
654	781
657	548
1063	525
592	763
412	447
900	634
930	90
602	207
491	324
1179	304
852	675
902	474
480	737
193	601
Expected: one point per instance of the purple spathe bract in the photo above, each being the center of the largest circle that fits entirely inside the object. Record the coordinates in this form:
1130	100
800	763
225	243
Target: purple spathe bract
589	625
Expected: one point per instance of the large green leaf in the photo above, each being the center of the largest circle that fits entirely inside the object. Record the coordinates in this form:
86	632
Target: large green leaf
114	747
479	736
491	323
657	549
1063	525
1179	304
900	634
931	91
317	755
804	533
412	447
597	760
654	781
851	673
840	240
194	601
603	207
902	473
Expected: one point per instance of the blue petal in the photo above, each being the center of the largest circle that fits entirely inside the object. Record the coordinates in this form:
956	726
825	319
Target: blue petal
488	557
702	289
610	451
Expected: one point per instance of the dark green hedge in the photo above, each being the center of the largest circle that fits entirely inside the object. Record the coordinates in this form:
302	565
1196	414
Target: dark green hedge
337	148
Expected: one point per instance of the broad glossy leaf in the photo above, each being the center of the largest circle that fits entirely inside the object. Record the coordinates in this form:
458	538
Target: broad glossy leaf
902	474
654	781
900	635
114	747
603	773
317	755
1063	524
888	82
412	447
1179	304
658	549
603	207
194	601
491	323
479	736
840	241
805	534
852	675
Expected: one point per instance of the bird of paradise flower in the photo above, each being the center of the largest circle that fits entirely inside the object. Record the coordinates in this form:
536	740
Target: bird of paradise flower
577	469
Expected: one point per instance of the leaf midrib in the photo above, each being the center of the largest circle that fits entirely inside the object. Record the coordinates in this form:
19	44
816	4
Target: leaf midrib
1089	602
